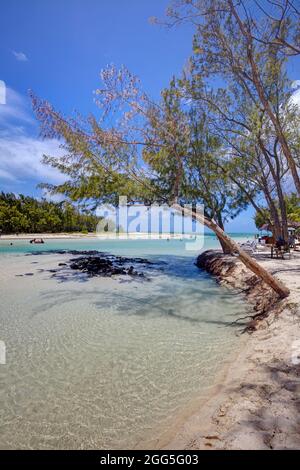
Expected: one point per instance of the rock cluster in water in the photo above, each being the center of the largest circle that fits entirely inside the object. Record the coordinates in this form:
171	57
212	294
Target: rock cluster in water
102	264
96	263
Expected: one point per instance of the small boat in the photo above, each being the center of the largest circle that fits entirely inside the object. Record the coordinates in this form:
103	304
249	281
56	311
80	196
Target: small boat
37	241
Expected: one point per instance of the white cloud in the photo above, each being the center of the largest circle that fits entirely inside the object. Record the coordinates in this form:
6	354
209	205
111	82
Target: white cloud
20	152
6	176
2	92
296	84
20	56
15	111
20	159
296	97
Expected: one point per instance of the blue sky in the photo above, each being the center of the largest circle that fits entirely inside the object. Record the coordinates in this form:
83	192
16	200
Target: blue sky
57	48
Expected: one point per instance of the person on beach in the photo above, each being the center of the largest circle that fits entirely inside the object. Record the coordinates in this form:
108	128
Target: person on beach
279	242
37	240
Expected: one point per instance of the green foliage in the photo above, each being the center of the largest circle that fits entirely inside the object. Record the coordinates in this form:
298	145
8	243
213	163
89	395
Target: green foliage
188	166
262	217
28	215
292	208
160	152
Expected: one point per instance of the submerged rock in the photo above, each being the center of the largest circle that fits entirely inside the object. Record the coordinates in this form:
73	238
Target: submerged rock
97	263
106	264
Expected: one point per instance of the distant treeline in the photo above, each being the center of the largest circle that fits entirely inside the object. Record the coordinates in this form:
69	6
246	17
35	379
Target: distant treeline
23	214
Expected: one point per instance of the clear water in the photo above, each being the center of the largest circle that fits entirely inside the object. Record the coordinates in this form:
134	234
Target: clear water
107	363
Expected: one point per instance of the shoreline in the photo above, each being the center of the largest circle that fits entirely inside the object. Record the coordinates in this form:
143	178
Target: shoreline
111	236
256	406
173	439
46	236
104	236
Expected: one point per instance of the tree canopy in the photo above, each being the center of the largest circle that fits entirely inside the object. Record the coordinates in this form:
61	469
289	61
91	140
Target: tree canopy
24	214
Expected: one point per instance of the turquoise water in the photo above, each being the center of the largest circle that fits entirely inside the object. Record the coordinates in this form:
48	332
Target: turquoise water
107	363
120	246
134	247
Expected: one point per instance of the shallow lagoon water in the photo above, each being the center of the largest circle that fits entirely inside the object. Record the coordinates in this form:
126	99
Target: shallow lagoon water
107	363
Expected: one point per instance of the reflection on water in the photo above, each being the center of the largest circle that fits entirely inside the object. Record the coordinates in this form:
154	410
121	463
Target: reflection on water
107	363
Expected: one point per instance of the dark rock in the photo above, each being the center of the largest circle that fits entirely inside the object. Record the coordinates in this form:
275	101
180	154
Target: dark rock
106	265
130	270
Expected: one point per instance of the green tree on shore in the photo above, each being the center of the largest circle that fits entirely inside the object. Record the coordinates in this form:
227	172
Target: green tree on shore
28	215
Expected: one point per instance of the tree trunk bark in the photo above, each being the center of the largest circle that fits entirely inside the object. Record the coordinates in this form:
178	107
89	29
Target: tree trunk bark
277	180
225	247
279	132
249	262
284	221
277	232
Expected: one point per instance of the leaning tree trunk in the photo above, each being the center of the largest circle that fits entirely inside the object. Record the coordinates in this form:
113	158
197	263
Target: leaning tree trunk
248	261
224	245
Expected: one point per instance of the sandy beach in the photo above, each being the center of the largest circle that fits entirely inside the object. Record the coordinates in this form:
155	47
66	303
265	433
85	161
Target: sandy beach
93	235
257	406
47	236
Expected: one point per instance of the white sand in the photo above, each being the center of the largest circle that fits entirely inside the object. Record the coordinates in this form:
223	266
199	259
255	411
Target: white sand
30	236
258	404
104	235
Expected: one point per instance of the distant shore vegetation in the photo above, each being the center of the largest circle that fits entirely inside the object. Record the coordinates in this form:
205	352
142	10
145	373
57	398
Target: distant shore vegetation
24	214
